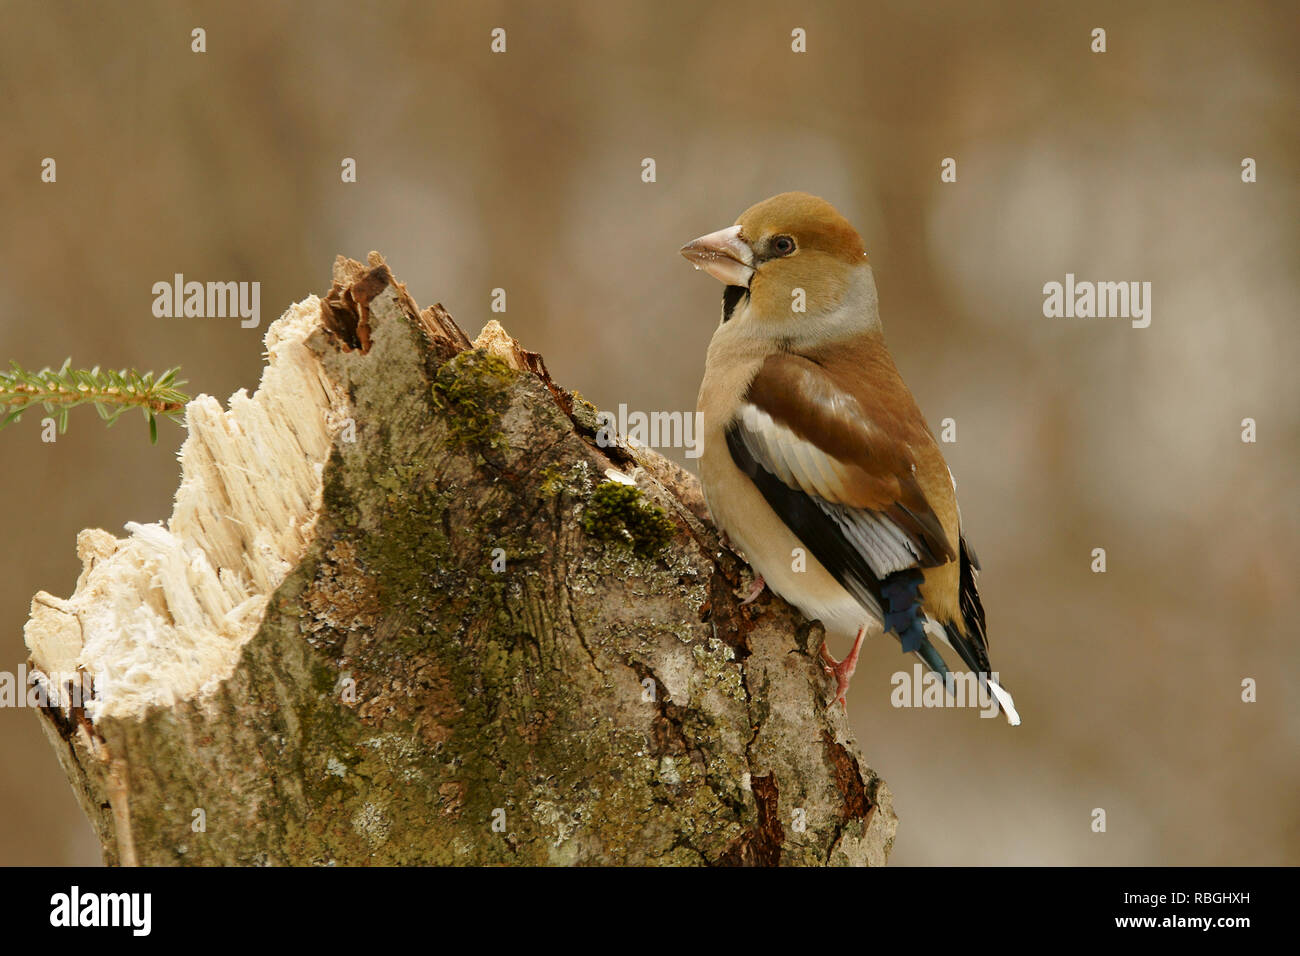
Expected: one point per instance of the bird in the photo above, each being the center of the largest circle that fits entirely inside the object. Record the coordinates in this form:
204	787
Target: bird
817	463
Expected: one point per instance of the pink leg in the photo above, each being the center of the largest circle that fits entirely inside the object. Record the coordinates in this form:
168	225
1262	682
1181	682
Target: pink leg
843	670
755	590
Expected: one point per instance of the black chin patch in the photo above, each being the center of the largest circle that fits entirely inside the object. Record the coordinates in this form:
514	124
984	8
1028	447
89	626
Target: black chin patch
732	296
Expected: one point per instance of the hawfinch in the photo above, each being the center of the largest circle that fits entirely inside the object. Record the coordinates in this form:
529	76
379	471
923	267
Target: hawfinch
817	464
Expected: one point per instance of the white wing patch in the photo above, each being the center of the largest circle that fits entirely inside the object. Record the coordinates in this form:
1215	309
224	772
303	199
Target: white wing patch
824	479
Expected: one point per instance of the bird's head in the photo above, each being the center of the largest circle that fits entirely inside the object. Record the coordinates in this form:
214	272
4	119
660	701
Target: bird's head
789	258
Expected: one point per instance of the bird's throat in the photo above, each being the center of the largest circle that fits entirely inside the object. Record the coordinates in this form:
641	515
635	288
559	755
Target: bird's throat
732	296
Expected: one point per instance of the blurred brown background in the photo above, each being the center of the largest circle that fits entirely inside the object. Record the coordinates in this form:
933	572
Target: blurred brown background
522	171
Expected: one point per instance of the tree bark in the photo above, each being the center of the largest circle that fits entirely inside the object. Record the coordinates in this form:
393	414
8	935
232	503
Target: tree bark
408	610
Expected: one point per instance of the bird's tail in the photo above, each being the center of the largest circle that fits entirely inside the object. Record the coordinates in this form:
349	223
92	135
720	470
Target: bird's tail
909	623
977	661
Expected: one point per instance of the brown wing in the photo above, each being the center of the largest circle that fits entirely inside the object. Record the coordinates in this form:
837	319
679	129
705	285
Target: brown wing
852	437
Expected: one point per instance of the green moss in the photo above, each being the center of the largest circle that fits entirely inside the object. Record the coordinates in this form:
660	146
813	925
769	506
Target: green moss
618	513
473	390
552	482
407	563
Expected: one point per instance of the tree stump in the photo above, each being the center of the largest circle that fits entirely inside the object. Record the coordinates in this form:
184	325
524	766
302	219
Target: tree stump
409	609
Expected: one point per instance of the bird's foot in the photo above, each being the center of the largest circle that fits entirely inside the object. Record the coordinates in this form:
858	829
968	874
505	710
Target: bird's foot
843	670
754	591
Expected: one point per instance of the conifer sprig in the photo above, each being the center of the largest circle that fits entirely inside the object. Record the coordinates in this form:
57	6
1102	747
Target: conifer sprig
112	393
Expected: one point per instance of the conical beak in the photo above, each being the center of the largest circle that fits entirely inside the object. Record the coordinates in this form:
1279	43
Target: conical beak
723	255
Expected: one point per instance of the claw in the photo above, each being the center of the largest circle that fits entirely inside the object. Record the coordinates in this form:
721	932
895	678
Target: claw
755	590
843	670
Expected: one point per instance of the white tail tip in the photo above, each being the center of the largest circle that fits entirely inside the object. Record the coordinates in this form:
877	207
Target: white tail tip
1007	704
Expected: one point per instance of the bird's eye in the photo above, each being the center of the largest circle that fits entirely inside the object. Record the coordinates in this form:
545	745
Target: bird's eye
782	245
